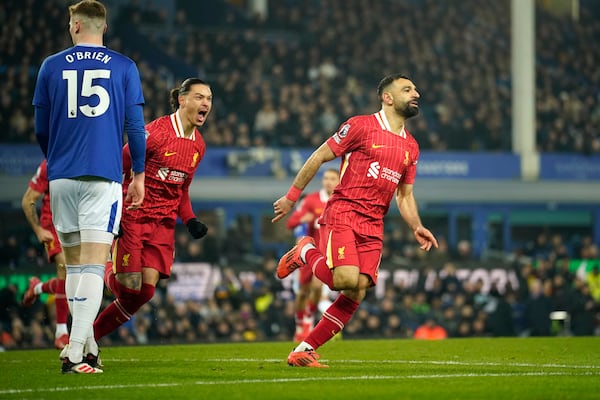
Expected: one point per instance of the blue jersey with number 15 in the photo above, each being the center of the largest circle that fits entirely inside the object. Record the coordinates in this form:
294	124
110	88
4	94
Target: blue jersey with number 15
86	90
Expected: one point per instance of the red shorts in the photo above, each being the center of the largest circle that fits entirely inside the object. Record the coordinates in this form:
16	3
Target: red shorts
144	245
342	246
53	247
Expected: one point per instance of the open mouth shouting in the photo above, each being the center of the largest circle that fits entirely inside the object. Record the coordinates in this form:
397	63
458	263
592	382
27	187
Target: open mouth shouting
201	117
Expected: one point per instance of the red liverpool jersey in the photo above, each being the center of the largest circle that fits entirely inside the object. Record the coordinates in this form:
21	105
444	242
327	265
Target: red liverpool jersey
39	183
313	203
171	162
374	162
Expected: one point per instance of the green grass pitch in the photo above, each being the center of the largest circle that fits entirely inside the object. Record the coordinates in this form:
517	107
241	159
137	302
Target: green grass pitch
516	368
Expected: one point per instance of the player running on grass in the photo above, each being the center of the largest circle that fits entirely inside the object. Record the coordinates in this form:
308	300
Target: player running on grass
308	212
379	159
144	253
44	231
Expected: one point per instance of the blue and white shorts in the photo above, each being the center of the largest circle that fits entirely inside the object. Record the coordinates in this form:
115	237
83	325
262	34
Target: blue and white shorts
86	209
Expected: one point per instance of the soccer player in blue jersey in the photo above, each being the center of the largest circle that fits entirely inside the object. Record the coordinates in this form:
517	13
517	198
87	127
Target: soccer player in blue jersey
85	97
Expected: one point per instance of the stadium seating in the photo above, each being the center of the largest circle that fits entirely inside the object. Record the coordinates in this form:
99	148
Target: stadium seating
313	67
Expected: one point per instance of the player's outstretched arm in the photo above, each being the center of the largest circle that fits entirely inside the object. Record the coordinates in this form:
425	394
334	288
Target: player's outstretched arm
285	203
410	213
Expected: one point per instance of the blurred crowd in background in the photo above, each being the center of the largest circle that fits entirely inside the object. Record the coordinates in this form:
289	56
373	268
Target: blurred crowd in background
290	78
257	306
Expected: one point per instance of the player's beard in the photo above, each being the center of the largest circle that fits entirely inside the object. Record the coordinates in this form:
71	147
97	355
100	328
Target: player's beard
407	111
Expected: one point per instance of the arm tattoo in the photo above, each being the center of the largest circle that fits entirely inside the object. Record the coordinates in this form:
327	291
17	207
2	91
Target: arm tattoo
31	215
34	215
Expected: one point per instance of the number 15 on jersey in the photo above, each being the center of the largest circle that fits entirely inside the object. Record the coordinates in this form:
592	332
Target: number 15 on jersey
88	89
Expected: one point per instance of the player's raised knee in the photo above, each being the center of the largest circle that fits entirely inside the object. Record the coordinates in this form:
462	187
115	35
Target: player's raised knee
344	279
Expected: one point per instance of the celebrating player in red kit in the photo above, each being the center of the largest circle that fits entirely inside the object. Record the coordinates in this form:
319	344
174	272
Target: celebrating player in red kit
379	160
308	212
46	234
144	252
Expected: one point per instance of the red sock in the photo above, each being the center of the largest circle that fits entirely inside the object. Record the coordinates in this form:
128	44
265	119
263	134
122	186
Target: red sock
311	308
122	309
299	317
109	279
334	319
111	317
51	286
60	300
146	294
319	266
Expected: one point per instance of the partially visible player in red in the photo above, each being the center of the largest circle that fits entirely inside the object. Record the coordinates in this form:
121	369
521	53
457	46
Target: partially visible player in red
144	252
44	230
430	330
308	212
379	161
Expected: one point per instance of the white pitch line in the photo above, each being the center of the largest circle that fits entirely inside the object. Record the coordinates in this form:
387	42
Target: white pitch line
289	380
397	377
423	362
433	362
110	359
99	387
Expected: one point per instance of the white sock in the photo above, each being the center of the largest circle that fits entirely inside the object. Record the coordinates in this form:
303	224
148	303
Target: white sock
75	352
71	284
305	249
37	289
303	347
61	329
86	304
91	346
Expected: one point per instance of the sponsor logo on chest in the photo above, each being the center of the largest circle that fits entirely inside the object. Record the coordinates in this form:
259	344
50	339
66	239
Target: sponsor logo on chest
375	171
168	175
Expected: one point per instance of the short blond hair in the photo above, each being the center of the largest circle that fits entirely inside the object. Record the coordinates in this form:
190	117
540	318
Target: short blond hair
91	13
88	8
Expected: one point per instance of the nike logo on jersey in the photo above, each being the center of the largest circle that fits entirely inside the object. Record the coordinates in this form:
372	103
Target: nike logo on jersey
377	146
169	153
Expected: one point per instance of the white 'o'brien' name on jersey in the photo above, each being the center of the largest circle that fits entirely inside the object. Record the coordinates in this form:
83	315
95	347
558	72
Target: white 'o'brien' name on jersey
87	55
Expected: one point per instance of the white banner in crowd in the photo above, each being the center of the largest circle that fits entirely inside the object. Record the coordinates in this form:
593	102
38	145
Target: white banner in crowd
198	281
